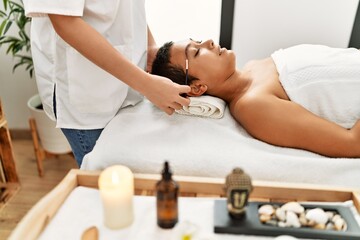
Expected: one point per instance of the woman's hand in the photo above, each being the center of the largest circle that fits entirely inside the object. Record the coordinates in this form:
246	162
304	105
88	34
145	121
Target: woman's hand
165	94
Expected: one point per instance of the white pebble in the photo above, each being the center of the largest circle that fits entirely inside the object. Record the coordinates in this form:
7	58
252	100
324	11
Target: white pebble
285	237
318	215
266	209
294	207
280	214
292	220
339	224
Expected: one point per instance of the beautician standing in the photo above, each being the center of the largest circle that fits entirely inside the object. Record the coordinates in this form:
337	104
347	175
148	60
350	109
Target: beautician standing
88	56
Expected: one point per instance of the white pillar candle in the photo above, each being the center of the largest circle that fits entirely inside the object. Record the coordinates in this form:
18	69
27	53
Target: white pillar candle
116	185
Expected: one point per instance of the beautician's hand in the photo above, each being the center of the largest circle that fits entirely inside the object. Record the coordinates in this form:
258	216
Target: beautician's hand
165	94
151	51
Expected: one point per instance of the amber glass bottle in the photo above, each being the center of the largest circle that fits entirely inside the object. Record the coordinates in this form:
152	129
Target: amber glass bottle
167	199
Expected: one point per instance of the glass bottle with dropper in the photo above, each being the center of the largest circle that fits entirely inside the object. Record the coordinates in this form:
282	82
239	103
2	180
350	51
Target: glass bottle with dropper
167	199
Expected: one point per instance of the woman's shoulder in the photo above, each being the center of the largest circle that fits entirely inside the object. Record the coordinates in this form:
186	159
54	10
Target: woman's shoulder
248	106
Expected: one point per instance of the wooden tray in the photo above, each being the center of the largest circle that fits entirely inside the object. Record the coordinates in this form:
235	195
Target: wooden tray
36	220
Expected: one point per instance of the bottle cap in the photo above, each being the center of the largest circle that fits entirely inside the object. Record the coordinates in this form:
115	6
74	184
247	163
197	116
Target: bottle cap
166	173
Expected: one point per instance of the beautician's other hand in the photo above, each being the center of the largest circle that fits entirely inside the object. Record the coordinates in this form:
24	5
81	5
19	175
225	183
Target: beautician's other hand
151	51
165	94
151	57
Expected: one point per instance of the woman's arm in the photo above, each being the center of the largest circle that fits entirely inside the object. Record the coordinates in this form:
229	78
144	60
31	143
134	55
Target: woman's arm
285	123
161	91
356	131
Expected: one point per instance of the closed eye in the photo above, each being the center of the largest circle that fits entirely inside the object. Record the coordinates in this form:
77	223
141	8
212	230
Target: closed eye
197	52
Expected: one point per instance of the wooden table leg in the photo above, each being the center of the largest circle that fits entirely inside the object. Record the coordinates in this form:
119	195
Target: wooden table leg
39	151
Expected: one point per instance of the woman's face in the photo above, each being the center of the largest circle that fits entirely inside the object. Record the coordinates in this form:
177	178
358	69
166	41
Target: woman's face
208	62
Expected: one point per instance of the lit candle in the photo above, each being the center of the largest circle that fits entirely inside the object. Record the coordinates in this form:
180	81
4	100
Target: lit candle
116	186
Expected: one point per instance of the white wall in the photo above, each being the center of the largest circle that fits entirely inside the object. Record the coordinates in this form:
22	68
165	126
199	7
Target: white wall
181	19
15	89
263	26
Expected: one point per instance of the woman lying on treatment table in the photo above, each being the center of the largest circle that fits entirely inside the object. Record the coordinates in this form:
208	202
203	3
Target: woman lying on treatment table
306	96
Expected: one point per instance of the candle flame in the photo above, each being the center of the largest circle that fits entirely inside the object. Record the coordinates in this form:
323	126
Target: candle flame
115	178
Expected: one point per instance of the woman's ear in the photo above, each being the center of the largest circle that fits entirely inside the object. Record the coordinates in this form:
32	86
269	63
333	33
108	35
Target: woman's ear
197	89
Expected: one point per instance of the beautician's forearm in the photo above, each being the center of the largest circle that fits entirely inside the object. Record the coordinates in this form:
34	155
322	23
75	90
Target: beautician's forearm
97	49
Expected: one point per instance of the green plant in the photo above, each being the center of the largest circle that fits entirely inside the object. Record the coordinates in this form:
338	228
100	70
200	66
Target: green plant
19	44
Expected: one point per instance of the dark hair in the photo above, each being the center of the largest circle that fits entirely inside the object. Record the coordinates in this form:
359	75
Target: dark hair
162	66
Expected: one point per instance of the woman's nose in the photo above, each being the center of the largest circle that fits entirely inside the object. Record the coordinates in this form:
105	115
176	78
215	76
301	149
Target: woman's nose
209	43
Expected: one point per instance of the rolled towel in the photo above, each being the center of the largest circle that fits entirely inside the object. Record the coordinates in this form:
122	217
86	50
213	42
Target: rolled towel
204	106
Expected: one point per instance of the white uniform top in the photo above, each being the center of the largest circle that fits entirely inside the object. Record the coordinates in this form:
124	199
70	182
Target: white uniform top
87	97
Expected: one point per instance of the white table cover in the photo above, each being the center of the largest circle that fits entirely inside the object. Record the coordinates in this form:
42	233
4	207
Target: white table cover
83	209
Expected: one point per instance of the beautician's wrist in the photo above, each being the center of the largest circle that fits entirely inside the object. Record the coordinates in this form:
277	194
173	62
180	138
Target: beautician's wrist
144	83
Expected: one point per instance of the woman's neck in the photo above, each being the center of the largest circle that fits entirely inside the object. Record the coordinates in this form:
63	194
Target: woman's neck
234	87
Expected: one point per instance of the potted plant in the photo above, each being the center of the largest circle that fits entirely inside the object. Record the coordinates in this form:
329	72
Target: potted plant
18	45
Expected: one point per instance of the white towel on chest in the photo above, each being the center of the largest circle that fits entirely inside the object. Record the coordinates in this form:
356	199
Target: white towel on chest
324	80
204	106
